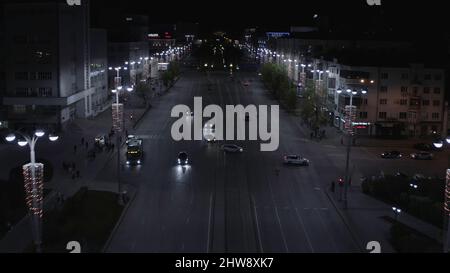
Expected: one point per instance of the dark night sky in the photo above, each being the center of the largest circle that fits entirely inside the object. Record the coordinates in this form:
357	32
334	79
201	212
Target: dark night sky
409	18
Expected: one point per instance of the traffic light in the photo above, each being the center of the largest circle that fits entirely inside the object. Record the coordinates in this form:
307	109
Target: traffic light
341	182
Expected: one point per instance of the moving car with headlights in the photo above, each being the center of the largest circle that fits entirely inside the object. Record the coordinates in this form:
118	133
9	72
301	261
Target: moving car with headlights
100	140
209	133
392	155
135	152
231	148
183	159
422	156
295	160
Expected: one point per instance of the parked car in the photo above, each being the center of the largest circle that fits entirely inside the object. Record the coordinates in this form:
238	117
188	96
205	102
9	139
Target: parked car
231	148
295	160
422	156
392	155
423	147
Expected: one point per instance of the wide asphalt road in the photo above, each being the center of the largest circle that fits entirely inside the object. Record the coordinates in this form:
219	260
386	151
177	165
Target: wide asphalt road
233	203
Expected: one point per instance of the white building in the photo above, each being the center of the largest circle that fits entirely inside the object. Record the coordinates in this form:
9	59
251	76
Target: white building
402	99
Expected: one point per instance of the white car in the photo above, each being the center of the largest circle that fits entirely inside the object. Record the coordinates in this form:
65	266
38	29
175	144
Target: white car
295	160
231	148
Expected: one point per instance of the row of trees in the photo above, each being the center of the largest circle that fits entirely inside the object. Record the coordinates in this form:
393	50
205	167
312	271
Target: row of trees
276	80
144	89
172	73
311	109
278	83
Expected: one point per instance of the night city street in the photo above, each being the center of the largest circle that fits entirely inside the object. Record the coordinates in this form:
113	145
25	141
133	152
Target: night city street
125	129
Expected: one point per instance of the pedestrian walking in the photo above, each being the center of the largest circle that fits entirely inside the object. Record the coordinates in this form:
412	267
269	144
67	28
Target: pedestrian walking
82	141
74	149
333	186
312	135
87	145
78	174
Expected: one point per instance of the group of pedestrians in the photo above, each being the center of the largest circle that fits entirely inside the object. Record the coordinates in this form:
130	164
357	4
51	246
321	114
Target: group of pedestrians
71	169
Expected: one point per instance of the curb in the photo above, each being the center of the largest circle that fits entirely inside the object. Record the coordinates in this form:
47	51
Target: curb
355	238
119	222
150	107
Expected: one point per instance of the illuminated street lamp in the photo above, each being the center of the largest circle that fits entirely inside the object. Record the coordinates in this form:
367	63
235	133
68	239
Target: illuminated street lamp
33	180
447	212
350	133
438	144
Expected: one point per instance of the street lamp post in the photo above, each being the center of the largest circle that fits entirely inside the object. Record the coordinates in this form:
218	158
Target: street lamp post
33	182
118	126
350	134
446	243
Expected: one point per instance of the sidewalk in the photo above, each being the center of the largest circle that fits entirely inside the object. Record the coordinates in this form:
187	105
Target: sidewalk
364	213
19	237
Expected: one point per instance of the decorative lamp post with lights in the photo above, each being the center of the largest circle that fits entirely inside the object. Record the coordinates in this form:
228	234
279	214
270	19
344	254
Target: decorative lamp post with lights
447	212
118	125
33	174
350	117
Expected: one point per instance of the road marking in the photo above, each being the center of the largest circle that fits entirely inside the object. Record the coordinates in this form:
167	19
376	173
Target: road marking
209	223
330	146
304	229
257	225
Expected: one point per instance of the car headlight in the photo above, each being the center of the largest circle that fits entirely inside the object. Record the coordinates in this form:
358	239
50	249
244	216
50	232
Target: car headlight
128	162
139	162
179	161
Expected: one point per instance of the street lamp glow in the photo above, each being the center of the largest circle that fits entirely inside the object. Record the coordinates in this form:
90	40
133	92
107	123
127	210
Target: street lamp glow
114	91
349	90
53	138
339	91
22	143
364	92
438	144
10	138
129	89
354	93
39	133
448	140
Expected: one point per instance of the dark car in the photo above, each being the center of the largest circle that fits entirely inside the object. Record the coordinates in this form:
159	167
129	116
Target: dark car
423	147
422	156
391	155
183	158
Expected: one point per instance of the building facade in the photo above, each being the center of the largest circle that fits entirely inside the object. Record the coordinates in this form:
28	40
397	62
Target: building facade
48	75
392	100
99	72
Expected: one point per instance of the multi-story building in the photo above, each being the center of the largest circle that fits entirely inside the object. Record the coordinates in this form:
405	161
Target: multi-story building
99	71
127	46
48	75
401	98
